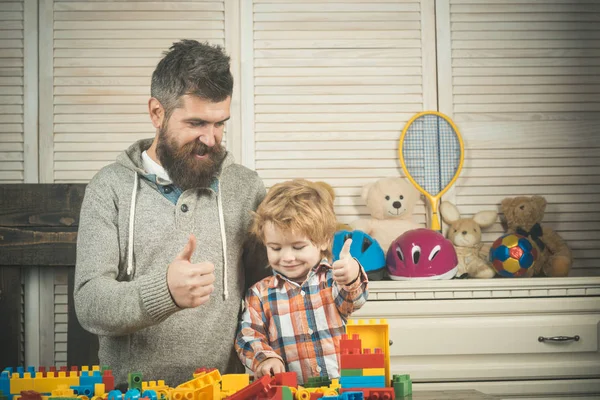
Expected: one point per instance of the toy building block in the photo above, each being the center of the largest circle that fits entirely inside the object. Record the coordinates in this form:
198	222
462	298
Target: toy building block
99	389
132	394
30	395
90	378
374	334
150	395
87	391
402	385
231	383
277	393
201	380
364	360
115	395
363	381
162	390
134	381
317	382
314	396
184	394
108	380
20	381
352	343
258	387
209	392
351	372
386	393
373	372
352	396
289	379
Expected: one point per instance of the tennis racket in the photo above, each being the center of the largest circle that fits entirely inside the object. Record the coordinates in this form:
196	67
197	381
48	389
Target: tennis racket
431	153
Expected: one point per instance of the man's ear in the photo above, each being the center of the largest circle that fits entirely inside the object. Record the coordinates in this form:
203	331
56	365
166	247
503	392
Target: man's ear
156	111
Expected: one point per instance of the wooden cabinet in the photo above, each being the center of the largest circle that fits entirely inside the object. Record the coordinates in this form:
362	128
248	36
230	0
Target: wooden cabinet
517	337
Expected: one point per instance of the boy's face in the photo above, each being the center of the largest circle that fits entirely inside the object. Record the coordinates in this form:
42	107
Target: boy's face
291	254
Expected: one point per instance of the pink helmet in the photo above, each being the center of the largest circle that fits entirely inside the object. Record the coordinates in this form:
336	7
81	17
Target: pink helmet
421	254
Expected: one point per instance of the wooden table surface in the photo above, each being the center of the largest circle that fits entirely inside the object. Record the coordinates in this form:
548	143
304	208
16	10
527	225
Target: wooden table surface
449	395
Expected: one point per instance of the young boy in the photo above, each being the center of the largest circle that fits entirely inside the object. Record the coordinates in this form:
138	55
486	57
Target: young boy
294	319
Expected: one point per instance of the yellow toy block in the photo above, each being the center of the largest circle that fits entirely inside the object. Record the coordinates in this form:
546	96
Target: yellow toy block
162	391
231	383
373	371
201	380
373	335
184	394
18	384
99	389
63	391
95	368
210	392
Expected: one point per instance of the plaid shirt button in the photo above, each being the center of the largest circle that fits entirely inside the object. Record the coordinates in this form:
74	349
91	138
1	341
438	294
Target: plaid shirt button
303	293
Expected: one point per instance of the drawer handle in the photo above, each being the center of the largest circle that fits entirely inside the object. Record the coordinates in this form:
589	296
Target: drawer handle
559	338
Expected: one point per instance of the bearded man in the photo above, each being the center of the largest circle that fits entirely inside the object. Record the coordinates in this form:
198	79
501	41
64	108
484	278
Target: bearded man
163	251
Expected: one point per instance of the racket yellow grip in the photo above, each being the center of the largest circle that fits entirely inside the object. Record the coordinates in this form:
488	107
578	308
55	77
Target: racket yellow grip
435	217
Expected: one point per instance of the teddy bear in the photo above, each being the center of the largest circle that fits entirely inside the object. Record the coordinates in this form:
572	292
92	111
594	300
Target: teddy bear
465	235
390	202
523	215
339	226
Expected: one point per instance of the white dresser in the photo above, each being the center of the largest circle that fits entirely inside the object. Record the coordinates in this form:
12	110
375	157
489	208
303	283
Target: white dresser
513	338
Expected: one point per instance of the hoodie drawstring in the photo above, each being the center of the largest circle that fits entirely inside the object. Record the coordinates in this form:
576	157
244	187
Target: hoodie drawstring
131	218
221	225
223	240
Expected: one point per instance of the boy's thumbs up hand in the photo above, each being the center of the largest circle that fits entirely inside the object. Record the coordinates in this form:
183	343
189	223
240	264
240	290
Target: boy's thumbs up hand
346	269
190	284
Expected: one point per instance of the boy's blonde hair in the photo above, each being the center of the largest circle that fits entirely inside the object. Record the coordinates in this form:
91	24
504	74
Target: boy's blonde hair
301	207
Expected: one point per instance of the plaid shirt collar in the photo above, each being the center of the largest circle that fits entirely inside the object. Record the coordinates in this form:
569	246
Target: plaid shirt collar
279	280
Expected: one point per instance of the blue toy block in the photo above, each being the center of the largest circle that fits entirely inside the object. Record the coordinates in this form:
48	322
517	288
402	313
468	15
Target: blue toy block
330	398
31	370
353	396
132	394
151	394
20	371
362	381
87	379
83	390
5	382
115	395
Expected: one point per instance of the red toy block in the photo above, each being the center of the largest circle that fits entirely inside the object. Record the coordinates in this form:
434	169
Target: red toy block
109	380
285	379
352	345
64	368
52	369
30	395
314	396
386	393
255	389
365	360
42	371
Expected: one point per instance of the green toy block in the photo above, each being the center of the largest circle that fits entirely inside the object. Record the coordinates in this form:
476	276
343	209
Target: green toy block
134	381
286	393
402	385
317	382
352	372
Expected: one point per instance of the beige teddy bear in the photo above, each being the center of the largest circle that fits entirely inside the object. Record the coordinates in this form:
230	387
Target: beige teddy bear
465	235
523	216
390	202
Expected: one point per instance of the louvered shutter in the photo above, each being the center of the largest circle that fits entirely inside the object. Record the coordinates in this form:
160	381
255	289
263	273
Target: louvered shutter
522	82
334	84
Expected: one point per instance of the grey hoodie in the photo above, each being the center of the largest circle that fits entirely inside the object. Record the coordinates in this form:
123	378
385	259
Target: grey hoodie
129	233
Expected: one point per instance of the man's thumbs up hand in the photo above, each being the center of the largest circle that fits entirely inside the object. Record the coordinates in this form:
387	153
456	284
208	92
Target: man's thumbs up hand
346	269
190	284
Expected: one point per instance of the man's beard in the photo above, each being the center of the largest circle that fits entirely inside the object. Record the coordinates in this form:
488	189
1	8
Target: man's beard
184	169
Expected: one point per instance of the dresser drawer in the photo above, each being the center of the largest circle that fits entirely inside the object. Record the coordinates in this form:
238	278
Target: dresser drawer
492	339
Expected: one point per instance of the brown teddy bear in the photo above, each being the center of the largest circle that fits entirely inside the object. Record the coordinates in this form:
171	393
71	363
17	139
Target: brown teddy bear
390	202
523	216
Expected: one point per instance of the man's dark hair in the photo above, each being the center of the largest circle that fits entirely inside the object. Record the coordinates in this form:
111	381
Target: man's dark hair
191	67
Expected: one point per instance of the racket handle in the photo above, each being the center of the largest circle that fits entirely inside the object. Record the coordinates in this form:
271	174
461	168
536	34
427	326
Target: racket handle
435	222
